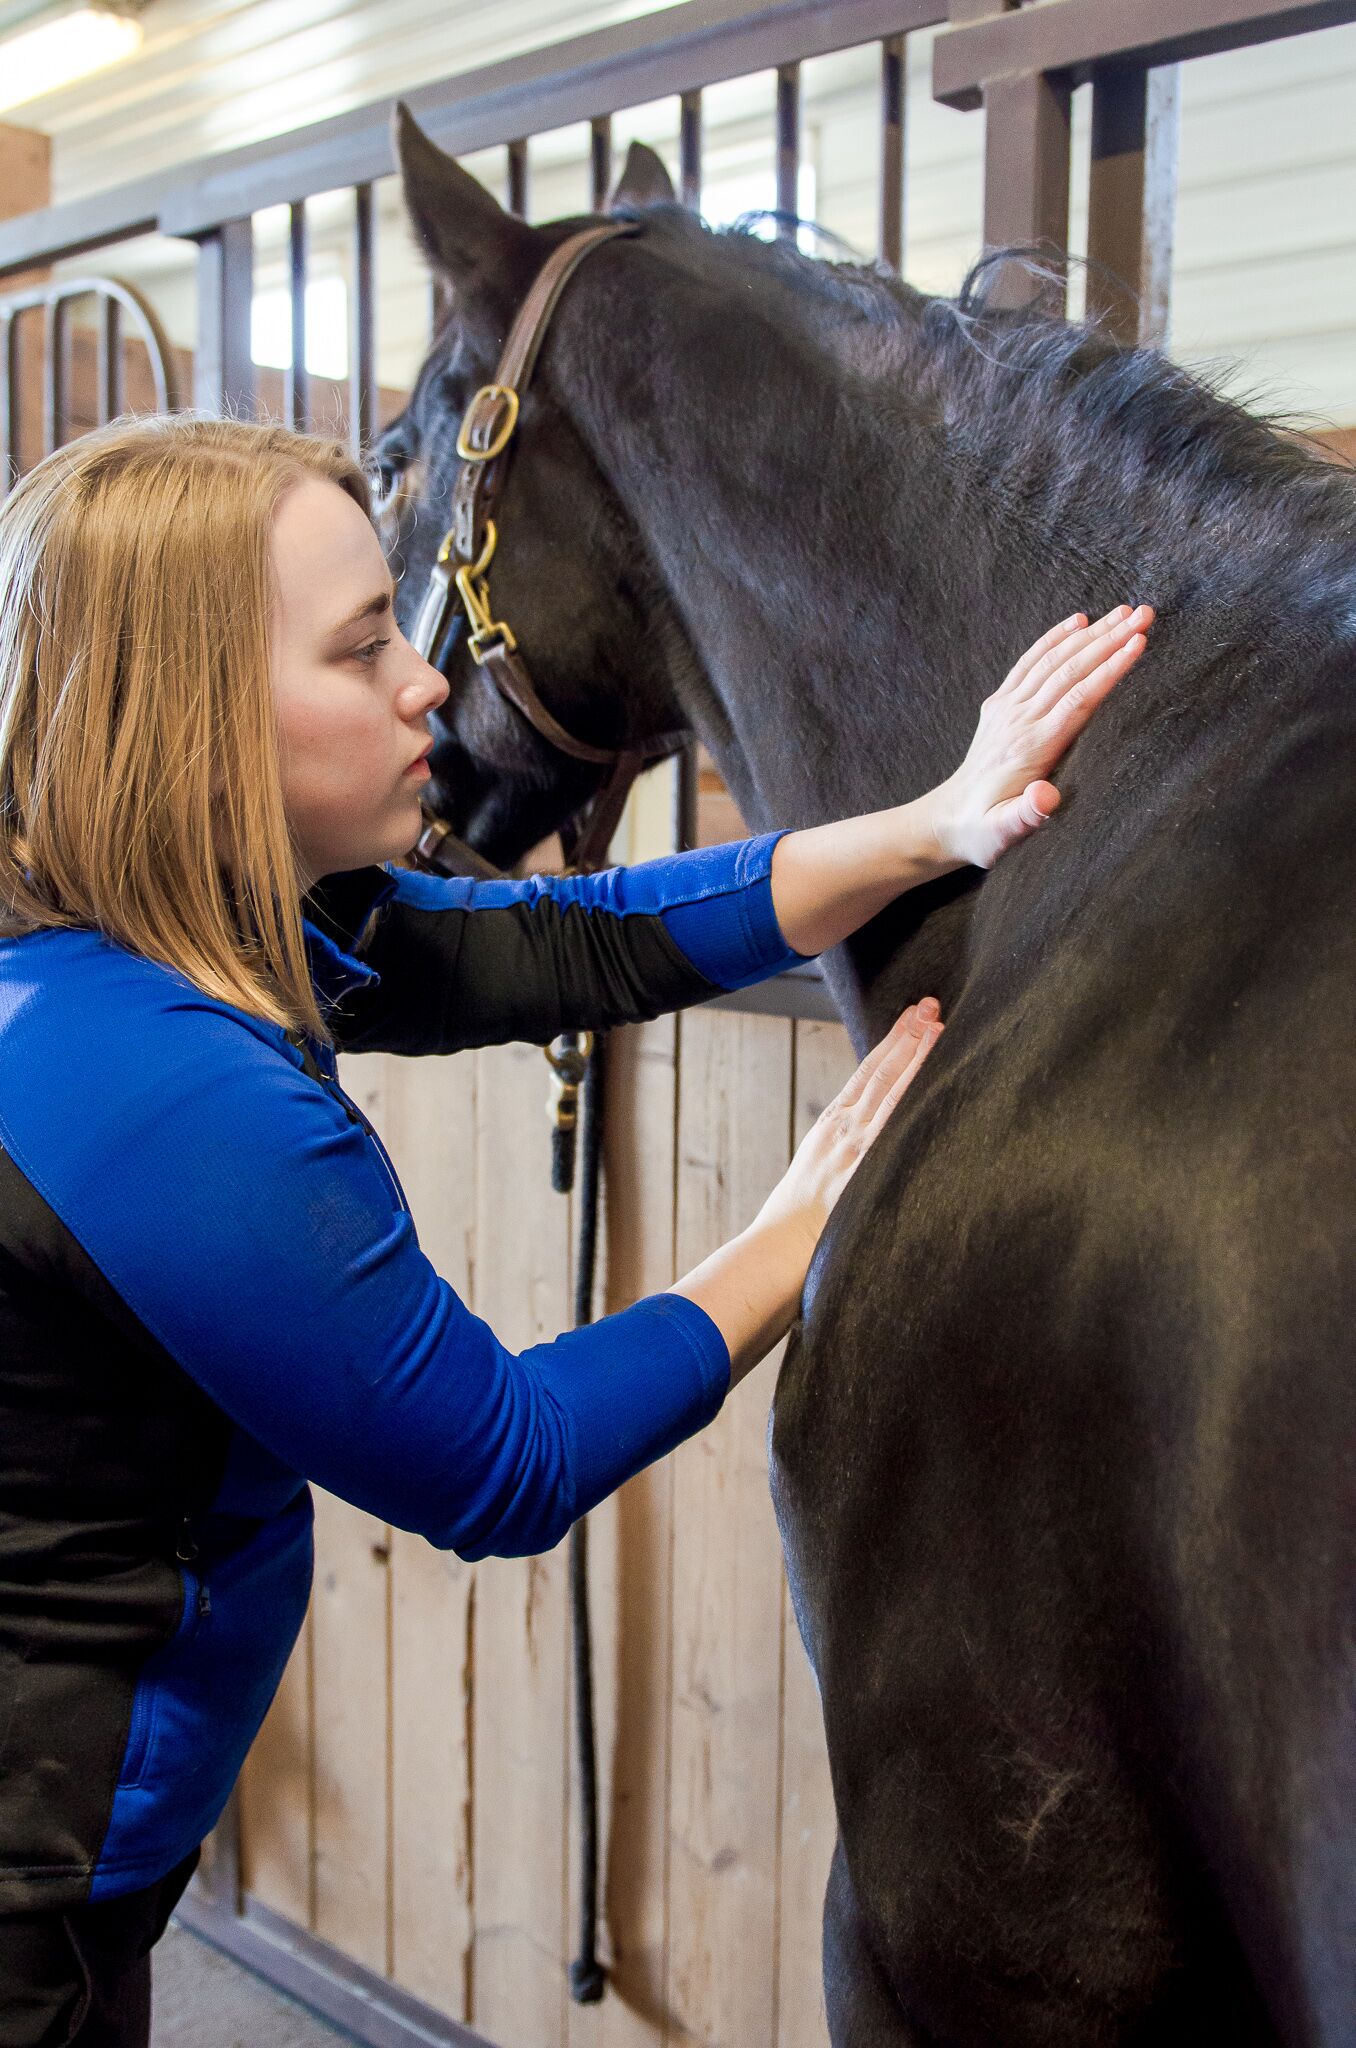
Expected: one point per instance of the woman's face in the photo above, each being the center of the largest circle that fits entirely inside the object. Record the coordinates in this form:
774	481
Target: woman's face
353	696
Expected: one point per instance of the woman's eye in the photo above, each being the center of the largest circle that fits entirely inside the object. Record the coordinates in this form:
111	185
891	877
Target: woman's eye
371	651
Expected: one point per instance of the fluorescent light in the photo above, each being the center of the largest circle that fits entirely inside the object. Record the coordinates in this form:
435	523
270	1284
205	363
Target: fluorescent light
56	52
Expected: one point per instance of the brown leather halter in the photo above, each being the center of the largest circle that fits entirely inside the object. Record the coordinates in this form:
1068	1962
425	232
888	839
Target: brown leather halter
463	560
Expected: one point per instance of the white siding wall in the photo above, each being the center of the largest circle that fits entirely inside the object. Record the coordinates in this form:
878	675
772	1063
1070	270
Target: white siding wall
1265	276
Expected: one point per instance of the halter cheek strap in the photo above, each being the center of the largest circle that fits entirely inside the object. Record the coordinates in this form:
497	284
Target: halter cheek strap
463	562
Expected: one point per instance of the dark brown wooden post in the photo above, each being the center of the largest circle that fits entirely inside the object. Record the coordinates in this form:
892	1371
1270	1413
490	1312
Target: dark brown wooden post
788	150
223	371
1132	201
600	162
362	346
297	384
893	114
1026	183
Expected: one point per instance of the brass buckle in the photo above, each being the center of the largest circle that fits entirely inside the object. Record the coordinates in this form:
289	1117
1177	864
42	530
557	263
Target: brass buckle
493	396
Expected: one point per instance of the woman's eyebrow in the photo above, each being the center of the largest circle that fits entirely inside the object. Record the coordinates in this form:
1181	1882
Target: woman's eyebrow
368	609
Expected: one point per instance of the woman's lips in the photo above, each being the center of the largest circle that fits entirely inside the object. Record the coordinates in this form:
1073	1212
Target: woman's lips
420	768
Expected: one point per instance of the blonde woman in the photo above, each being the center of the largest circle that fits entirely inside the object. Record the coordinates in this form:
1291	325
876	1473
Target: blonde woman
211	1290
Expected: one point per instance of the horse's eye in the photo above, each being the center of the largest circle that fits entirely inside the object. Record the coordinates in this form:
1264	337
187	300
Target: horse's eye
385	469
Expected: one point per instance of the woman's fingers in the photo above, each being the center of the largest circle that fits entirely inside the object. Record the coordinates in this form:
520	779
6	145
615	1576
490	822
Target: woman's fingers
1067	639
896	1046
897	1056
1088	656
901	1051
1055	638
1065	715
893	1095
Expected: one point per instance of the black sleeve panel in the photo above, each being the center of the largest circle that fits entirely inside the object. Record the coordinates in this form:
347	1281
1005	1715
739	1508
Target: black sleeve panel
452	978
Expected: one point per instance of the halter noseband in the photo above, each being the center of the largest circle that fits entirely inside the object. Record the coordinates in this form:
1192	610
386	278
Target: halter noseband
464	558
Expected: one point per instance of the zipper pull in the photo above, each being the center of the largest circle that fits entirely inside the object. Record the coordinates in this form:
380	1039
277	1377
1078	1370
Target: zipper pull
204	1599
186	1548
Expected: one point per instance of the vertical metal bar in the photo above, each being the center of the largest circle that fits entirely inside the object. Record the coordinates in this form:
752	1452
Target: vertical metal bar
298	399
788	150
690	149
600	162
517	178
9	395
108	369
893	115
55	330
362	351
686	778
1026	184
223	374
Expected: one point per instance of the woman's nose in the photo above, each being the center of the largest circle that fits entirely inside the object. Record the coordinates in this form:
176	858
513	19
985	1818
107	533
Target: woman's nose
424	688
439	687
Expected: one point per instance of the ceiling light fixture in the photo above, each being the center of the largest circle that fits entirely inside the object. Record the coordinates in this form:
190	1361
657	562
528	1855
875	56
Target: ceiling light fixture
42	49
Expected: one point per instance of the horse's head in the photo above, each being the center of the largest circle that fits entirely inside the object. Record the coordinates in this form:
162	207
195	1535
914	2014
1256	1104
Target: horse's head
570	573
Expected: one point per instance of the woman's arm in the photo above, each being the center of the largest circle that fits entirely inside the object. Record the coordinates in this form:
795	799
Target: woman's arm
453	963
248	1222
446	964
826	882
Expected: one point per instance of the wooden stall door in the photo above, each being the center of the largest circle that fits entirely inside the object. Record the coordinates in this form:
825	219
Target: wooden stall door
411	1796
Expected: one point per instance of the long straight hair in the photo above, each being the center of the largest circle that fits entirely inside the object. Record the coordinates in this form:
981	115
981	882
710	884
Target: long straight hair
140	792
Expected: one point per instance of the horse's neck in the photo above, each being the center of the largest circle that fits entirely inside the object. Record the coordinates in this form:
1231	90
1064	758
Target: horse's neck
847	607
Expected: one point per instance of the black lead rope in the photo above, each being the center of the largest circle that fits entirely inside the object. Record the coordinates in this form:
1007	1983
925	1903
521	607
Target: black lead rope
579	1077
587	1977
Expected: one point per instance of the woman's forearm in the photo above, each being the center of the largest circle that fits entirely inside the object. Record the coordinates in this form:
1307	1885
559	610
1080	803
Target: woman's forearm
830	879
751	1288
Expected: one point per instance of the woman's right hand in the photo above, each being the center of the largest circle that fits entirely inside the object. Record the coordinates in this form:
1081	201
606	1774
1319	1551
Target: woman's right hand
751	1287
843	1132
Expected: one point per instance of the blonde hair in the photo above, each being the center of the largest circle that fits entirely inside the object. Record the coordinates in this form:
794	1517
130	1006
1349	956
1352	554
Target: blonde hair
140	792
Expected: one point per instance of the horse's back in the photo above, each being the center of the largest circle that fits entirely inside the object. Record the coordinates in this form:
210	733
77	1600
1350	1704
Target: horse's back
1064	1457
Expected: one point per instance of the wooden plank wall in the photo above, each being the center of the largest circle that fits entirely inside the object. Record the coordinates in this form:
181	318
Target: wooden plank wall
410	1797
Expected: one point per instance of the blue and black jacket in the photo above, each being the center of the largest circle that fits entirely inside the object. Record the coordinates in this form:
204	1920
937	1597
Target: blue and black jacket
211	1291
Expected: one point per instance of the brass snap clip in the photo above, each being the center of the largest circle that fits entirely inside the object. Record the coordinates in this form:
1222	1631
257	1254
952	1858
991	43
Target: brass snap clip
474	591
568	1059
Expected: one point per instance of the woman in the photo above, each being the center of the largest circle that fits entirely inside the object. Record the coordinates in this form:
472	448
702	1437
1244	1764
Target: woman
211	752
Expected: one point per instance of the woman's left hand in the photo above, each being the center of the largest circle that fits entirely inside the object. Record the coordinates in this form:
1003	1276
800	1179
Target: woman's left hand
999	794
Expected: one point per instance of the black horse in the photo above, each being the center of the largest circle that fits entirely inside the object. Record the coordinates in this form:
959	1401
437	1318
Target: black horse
1063	1455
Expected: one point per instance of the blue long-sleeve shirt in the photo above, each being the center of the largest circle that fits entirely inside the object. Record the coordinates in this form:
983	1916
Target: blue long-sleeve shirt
212	1291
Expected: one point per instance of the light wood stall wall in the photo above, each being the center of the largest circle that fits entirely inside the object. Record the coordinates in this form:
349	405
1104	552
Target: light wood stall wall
411	1796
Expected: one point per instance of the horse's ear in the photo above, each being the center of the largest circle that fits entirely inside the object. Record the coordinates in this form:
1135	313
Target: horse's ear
461	228
643	182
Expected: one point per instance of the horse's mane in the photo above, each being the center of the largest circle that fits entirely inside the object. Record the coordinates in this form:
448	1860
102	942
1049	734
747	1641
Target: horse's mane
1061	415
